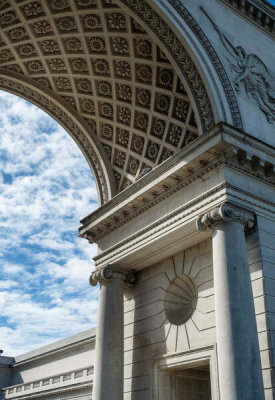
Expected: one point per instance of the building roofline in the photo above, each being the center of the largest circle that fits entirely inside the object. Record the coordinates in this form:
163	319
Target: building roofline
59	346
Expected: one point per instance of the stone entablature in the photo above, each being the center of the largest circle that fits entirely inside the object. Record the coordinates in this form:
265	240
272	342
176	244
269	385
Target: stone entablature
221	149
258	11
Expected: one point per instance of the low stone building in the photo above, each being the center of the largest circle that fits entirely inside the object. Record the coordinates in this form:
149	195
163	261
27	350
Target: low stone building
172	104
62	370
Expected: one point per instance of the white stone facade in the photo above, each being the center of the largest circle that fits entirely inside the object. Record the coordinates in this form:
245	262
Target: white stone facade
60	370
172	103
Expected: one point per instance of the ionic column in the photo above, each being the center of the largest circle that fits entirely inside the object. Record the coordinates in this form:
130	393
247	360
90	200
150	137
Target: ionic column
239	364
109	357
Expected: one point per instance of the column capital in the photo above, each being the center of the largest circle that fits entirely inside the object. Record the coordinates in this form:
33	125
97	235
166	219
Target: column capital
110	273
225	213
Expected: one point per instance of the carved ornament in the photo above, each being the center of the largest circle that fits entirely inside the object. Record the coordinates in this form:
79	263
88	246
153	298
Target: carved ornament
216	62
225	213
109	273
178	52
251	74
109	70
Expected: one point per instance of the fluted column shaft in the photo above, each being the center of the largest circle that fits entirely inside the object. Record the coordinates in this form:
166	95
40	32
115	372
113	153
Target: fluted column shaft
109	351
239	364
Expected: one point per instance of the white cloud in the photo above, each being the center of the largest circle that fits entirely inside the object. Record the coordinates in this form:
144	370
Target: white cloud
46	187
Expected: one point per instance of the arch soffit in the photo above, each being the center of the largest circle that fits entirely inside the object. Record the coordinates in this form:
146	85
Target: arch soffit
151	18
89	144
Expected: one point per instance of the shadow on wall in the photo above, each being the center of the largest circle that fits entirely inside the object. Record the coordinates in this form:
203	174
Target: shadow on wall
169	310
5	372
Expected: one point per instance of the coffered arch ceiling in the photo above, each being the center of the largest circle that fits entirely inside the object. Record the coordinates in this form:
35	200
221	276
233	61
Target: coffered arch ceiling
97	71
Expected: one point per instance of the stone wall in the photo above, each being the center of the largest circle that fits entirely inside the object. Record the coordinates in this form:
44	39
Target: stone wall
148	333
264	291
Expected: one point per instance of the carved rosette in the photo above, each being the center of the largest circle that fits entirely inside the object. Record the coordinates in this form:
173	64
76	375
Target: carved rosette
108	273
225	213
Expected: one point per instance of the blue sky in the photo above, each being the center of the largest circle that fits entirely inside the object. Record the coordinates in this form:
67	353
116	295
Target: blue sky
46	187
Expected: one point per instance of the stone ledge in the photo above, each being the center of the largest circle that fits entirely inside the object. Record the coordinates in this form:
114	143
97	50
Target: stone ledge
259	12
222	145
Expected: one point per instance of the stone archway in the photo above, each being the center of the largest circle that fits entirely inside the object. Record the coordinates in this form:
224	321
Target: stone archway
137	100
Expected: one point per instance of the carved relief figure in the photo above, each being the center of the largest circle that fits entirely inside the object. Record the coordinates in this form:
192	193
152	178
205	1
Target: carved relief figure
253	73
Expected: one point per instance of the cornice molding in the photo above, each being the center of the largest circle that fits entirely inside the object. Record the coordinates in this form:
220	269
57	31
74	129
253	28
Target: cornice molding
158	199
238	160
155	174
192	210
61	350
220	133
170	219
258	12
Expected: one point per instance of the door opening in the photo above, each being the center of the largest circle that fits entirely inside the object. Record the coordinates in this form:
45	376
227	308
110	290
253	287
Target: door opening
192	384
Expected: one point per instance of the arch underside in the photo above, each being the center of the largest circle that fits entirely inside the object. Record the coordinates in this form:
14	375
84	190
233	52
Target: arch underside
91	66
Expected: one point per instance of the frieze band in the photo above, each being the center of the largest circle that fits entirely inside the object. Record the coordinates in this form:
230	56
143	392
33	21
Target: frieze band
109	273
225	213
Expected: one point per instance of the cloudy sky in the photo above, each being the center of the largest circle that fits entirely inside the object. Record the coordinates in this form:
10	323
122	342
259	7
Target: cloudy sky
46	187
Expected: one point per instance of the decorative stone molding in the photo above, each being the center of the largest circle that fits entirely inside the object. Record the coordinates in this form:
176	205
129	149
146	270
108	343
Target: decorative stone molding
217	64
225	213
236	159
180	299
259	166
189	210
76	380
109	273
260	12
146	234
109	71
250	72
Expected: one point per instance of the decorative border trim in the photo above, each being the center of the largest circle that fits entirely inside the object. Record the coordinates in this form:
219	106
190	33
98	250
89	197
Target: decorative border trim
212	54
167	220
55	392
240	164
260	166
259	14
163	196
154	174
218	193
